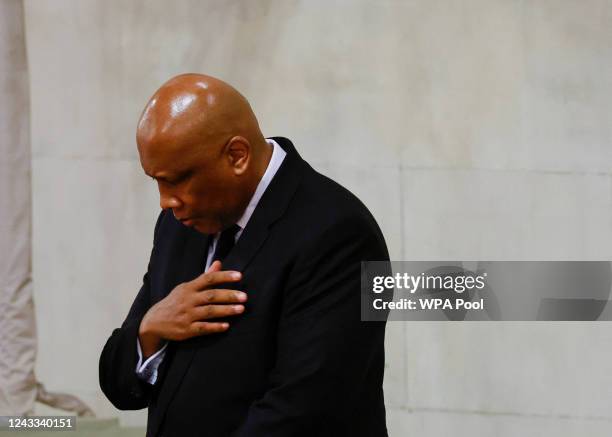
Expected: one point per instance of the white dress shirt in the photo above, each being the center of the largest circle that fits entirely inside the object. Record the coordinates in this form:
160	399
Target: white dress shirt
147	371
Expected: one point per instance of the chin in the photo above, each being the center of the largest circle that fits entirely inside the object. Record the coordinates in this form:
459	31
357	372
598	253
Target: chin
206	228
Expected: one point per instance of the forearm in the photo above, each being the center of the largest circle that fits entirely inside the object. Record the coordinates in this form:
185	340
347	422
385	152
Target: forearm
119	358
118	379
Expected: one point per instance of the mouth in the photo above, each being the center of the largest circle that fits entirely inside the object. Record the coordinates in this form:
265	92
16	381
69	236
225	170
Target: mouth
186	221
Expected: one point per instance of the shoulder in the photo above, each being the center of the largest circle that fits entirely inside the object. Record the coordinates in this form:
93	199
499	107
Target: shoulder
330	212
332	202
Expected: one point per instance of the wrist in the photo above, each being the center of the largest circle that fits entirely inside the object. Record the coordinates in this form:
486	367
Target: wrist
150	342
144	330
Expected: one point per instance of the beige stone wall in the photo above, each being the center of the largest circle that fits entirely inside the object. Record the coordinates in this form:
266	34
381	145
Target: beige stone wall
472	129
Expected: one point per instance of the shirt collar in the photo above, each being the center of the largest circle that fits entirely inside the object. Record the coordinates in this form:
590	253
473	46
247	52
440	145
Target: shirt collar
278	155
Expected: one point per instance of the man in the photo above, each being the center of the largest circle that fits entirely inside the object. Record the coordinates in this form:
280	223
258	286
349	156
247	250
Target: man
248	320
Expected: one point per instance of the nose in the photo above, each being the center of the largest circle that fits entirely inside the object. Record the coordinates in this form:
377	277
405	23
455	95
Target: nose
169	201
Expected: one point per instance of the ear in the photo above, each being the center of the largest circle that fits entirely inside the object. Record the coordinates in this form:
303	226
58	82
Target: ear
238	152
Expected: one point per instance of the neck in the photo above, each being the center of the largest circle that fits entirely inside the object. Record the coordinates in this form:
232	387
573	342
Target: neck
263	160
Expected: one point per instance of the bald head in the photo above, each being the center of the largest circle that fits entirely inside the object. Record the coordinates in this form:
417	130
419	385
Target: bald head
196	110
199	138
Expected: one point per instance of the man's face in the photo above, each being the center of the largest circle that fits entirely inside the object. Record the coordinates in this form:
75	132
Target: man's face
197	183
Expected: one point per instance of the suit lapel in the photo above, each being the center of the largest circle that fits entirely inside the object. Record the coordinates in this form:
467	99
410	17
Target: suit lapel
270	208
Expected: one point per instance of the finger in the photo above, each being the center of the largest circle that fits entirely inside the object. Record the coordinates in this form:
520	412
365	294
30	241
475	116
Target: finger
208	279
203	328
206	312
219	295
214	267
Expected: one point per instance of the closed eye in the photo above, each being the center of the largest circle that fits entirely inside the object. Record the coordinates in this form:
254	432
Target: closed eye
180	178
177	180
174	180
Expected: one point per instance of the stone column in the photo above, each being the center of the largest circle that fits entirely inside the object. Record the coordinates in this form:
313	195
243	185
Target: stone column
17	324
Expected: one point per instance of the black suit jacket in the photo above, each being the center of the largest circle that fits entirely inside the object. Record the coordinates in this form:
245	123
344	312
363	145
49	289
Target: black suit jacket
298	362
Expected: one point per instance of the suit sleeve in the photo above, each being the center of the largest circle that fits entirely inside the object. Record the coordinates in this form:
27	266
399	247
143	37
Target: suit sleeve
118	378
325	354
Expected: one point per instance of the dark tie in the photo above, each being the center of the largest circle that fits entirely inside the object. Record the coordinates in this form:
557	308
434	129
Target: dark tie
225	243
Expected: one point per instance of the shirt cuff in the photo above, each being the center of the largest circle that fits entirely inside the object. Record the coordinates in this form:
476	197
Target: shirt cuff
147	371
